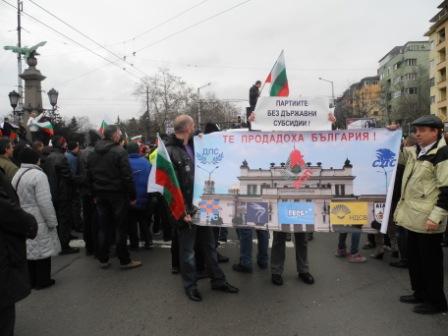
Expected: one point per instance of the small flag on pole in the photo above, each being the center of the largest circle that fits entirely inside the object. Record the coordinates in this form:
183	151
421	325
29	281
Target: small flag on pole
102	127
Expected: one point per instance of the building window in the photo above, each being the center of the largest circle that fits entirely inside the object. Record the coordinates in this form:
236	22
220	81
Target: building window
397	66
411	62
336	189
411	76
251	189
433	99
342	189
412	90
432	81
396	94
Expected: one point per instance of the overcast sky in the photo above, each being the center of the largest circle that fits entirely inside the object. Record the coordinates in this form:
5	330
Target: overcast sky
341	40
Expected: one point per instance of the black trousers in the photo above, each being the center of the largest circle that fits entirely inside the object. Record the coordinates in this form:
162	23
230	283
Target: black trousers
90	220
175	249
402	240
64	214
76	210
198	253
425	259
40	272
112	212
203	235
139	219
7	320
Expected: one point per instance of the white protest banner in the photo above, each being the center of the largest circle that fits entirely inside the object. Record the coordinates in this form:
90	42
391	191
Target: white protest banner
296	181
291	114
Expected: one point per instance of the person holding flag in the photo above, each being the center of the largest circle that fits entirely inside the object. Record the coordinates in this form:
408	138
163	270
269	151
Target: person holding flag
173	176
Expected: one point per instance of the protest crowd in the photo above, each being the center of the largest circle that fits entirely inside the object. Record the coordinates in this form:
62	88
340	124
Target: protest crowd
51	194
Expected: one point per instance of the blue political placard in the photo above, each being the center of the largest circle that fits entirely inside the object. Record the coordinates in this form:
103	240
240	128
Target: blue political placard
295	213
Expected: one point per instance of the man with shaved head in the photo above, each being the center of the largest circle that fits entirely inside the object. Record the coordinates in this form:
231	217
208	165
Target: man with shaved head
181	151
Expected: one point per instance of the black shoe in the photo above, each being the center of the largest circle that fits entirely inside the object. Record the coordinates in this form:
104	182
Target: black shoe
395	254
399	264
49	284
69	250
428	309
133	247
242	269
149	246
73	237
174	270
226	288
222	259
193	294
306	278
277	279
410	299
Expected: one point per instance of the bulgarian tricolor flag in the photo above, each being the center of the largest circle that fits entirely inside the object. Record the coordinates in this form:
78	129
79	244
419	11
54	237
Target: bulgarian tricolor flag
102	127
163	179
277	78
46	127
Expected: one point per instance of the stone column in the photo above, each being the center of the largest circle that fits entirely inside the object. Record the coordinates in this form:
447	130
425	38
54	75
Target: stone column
33	91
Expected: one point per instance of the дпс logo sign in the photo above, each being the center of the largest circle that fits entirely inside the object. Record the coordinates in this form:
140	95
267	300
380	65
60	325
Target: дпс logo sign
210	156
385	158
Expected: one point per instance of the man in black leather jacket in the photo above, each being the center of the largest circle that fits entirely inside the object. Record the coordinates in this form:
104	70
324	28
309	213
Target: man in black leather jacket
62	183
15	227
110	179
181	151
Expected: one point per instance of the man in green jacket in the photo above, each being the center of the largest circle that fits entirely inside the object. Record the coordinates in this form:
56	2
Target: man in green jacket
6	164
423	210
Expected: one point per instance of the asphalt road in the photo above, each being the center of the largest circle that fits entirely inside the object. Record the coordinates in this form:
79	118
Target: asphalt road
347	299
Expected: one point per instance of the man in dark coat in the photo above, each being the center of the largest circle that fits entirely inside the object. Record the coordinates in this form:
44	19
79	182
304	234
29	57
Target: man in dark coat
90	219
181	152
62	183
15	227
110	179
254	92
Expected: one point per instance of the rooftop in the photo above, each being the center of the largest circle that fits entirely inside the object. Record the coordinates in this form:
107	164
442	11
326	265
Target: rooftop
400	49
439	18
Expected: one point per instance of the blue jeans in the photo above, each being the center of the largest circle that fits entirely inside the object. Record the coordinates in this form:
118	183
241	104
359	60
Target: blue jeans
354	247
245	237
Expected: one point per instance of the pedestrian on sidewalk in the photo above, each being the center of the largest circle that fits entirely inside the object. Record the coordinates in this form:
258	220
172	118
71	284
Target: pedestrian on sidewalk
139	215
423	210
181	151
16	226
110	180
62	182
33	190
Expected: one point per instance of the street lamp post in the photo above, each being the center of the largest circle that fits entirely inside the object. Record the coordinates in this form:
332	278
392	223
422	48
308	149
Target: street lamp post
199	102
14	100
53	97
332	87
